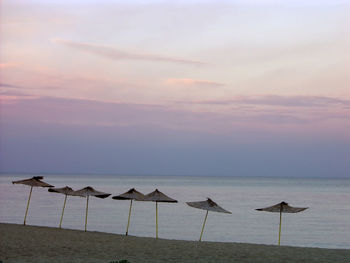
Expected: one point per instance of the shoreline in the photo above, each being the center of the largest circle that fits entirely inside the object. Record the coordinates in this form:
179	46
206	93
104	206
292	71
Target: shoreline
20	243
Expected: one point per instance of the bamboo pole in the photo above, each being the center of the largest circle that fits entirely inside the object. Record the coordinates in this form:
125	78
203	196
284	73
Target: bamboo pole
64	205
87	208
127	228
279	232
30	195
205	220
156	219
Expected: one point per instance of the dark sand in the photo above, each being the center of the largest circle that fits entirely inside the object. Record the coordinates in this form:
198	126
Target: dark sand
45	244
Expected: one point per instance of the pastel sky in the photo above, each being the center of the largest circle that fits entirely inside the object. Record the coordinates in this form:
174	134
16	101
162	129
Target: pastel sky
244	88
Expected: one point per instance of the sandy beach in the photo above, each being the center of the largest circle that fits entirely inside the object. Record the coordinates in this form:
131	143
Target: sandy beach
45	244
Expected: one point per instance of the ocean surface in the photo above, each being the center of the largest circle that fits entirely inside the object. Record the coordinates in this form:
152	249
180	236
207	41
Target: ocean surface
325	224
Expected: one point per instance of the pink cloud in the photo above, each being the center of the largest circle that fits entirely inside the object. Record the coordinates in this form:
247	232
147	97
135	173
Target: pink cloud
193	82
7	65
9	97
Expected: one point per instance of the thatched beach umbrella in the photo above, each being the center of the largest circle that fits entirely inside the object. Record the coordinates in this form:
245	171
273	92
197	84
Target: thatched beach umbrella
132	194
87	192
32	182
66	191
157	196
282	207
208	205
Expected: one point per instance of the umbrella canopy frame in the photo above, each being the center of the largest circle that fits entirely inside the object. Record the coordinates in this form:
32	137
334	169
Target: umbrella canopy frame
35	181
87	192
66	191
280	208
208	205
158	197
131	195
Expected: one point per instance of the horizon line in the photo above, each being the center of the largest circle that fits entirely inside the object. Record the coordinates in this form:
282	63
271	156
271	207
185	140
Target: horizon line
170	175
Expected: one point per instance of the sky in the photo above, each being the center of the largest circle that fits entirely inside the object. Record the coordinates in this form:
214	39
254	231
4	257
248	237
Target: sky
233	88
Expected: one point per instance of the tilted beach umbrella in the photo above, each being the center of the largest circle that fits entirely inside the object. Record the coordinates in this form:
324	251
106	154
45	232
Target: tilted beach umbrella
282	207
87	192
32	182
132	194
157	196
66	191
208	205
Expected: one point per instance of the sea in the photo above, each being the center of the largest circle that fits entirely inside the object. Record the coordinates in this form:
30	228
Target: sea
325	224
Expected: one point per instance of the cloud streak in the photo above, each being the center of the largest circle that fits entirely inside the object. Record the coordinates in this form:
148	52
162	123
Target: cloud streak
97	113
275	100
9	86
117	54
15	93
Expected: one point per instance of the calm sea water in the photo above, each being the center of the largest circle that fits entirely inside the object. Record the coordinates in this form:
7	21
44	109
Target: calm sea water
325	224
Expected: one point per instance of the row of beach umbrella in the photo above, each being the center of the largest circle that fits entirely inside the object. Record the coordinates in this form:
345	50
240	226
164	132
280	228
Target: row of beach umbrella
134	195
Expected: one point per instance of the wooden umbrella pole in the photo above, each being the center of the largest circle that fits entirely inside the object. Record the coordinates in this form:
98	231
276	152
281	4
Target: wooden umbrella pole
205	220
64	205
279	232
156	219
30	195
87	208
127	228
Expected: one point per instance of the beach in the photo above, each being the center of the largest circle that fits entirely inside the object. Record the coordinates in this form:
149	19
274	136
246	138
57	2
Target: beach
20	243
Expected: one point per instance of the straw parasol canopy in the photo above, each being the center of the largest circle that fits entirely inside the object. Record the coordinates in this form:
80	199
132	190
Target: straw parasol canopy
87	192
32	182
66	191
157	196
208	205
131	195
35	181
282	207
